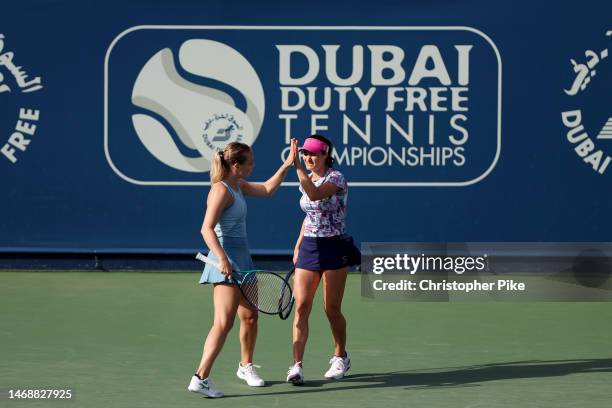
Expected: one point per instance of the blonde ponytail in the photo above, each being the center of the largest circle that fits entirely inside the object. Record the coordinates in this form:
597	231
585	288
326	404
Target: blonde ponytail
234	153
219	168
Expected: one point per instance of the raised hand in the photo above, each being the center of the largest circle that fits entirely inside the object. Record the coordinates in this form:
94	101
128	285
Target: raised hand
289	161
296	155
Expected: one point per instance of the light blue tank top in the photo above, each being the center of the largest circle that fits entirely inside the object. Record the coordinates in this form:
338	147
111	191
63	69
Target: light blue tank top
233	219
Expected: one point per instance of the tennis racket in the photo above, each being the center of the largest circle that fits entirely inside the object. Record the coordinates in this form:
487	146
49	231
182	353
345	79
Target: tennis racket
266	291
285	312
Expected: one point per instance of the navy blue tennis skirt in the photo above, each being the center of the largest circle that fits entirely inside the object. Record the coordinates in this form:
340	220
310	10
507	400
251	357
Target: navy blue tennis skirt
322	253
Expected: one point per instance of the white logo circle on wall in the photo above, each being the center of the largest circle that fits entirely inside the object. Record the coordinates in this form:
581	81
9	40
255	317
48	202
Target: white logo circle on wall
203	118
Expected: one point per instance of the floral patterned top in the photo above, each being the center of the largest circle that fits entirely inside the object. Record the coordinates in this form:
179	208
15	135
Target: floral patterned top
325	218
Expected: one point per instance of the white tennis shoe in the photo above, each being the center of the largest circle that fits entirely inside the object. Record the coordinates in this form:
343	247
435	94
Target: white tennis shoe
295	375
204	387
249	374
339	367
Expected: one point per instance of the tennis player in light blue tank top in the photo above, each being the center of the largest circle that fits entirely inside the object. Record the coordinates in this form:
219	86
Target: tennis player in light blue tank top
224	231
231	232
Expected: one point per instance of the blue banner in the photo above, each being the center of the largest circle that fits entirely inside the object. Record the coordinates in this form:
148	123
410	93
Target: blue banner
451	121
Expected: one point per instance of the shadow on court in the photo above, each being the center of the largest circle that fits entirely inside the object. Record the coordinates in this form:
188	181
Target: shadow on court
468	376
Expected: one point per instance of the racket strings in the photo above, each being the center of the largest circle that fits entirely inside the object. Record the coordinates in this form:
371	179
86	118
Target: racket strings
266	291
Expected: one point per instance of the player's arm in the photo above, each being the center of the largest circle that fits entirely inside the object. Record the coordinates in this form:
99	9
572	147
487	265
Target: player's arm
219	198
313	192
296	250
269	187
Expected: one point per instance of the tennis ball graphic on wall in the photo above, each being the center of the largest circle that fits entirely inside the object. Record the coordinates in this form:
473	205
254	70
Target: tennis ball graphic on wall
204	119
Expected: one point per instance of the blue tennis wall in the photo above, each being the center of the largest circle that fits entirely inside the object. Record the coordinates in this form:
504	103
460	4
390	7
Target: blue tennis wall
452	121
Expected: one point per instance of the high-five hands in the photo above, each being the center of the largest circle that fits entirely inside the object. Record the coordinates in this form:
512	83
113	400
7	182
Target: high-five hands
296	155
293	152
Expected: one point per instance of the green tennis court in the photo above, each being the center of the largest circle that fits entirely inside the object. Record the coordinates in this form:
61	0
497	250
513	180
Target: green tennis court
133	340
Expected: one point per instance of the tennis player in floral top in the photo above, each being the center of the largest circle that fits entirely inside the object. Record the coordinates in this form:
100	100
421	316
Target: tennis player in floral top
323	252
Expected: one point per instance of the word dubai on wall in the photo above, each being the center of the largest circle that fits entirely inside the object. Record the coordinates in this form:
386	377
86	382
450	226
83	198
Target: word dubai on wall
592	151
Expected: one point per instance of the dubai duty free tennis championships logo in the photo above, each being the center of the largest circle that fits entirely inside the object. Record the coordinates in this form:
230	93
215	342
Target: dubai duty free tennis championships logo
588	77
404	106
182	122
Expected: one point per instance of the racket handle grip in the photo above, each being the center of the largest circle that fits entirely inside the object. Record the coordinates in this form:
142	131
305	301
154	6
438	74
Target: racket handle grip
201	257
